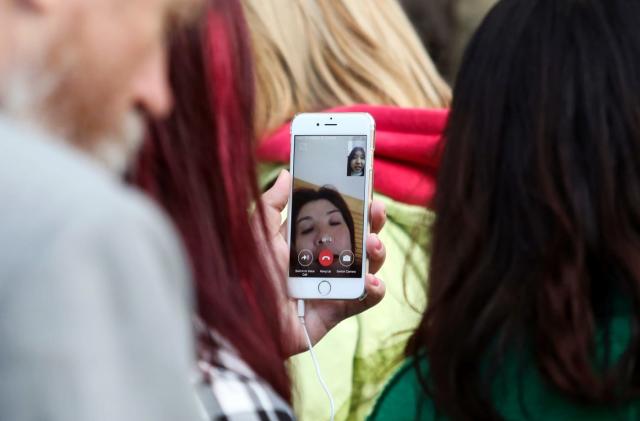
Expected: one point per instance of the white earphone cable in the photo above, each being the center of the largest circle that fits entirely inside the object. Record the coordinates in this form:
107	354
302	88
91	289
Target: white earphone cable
315	359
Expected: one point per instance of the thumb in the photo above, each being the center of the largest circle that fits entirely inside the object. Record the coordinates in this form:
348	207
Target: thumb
277	196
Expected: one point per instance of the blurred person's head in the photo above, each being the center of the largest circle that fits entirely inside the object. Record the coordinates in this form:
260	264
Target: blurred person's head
445	27
435	24
321	220
536	242
314	55
86	71
356	161
199	164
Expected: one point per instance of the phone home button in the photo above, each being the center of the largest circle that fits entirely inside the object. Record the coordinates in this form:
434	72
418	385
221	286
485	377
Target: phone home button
324	288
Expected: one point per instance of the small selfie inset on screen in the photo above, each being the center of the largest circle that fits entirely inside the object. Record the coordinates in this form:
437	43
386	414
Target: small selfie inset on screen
327	210
356	161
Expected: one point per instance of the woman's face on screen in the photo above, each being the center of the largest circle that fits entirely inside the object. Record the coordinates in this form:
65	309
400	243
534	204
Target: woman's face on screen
357	162
320	225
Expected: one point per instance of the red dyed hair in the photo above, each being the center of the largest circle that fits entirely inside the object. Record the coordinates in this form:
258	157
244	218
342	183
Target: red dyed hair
200	166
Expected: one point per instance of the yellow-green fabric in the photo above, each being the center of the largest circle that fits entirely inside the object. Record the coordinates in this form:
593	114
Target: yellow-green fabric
359	356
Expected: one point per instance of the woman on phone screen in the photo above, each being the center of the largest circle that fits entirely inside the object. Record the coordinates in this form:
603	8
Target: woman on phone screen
321	220
356	162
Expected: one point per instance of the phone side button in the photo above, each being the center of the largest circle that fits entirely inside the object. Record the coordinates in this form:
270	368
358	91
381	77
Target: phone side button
324	288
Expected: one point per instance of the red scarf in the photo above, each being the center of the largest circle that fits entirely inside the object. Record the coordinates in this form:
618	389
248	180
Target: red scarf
408	146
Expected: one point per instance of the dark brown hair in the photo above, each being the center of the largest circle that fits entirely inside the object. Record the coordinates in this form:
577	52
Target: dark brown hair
436	25
536	243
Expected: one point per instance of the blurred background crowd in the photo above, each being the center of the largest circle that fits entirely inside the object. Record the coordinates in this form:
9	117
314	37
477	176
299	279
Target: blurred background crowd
445	26
144	155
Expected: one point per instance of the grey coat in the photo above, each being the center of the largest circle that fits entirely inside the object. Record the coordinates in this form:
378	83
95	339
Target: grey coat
94	293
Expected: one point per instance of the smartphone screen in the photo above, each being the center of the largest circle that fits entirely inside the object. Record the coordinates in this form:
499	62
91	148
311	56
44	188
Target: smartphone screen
328	206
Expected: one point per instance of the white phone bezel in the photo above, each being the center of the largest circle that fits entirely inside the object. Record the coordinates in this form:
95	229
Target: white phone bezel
334	124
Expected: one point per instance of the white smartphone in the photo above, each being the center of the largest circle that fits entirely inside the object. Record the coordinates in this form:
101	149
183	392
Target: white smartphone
332	168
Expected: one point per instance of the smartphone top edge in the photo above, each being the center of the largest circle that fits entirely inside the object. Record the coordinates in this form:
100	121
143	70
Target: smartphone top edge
302	119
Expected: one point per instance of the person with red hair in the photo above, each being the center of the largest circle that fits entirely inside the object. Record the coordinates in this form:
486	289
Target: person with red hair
200	165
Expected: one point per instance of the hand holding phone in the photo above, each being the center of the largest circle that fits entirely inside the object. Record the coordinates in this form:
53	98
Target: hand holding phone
322	315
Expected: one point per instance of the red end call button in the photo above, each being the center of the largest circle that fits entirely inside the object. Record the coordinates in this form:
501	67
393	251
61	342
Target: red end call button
325	257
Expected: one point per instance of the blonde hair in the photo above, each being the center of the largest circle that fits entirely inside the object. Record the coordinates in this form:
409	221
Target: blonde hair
316	54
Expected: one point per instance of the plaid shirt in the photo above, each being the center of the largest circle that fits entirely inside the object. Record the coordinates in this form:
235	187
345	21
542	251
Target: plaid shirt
231	391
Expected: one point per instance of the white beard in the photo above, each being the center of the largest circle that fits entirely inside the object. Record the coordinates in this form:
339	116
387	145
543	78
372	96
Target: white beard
22	93
117	152
23	90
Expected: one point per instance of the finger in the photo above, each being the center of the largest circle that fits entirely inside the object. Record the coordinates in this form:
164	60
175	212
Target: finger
322	316
274	201
375	290
277	196
378	216
376	253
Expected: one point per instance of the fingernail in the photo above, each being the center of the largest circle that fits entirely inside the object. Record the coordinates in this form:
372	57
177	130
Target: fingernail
375	282
378	243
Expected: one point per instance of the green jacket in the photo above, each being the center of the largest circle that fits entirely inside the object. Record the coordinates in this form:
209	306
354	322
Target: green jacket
520	392
360	355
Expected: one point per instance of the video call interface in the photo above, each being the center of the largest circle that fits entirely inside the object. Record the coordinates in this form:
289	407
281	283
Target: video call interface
327	207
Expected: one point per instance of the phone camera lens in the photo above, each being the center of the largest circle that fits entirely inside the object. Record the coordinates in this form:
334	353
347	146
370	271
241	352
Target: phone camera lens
317	124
